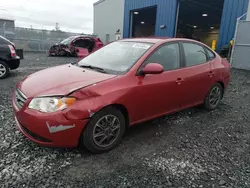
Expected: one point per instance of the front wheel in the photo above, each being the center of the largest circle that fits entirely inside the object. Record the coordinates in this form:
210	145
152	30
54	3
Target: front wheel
104	131
214	97
4	70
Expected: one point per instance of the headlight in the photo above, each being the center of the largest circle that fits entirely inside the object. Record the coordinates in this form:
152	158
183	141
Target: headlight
51	104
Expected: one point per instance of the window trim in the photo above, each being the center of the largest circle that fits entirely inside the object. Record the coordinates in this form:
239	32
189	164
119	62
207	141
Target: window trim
208	50
195	43
181	63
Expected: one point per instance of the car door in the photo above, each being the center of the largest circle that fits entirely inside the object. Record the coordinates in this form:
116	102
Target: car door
159	94
215	71
81	47
197	76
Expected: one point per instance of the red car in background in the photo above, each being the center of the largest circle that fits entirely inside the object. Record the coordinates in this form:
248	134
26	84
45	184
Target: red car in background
79	46
126	82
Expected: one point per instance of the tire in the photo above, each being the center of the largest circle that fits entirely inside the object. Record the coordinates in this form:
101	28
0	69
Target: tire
4	70
97	126
216	91
62	53
68	54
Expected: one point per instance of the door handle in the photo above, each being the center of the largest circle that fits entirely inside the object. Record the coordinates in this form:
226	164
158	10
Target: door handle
211	74
179	81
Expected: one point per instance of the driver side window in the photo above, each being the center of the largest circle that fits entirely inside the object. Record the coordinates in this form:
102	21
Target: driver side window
168	56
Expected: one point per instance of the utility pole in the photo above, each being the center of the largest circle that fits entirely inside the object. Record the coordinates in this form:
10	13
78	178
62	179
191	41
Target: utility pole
57	27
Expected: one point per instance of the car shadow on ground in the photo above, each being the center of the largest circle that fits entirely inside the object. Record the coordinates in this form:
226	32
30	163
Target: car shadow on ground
136	132
152	125
150	129
13	74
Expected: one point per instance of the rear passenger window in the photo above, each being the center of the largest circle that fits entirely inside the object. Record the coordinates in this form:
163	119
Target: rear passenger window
168	56
194	54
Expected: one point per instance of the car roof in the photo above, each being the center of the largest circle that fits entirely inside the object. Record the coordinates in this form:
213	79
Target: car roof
146	40
84	36
156	40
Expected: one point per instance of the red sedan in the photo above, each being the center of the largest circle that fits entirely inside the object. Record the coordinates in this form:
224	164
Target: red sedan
92	102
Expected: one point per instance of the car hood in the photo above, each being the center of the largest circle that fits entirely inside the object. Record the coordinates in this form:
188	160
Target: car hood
60	80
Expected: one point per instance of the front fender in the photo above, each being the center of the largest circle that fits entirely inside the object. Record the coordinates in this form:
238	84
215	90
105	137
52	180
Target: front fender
86	107
80	110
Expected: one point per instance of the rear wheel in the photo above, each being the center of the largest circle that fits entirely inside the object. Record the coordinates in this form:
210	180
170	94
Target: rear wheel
104	131
214	97
4	70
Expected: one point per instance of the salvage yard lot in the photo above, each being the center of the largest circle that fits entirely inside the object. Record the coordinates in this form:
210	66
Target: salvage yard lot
193	148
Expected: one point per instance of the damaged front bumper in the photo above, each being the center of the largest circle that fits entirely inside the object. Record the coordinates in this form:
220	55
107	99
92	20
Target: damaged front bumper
52	130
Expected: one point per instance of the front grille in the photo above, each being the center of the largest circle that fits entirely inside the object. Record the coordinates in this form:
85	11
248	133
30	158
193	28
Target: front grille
20	98
35	136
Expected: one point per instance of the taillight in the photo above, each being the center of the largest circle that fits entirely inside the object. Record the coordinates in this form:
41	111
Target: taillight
12	51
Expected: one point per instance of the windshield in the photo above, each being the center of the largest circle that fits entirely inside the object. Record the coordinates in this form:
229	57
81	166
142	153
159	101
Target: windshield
67	40
117	57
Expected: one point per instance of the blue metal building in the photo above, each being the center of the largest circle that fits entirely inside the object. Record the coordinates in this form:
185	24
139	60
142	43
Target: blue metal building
167	14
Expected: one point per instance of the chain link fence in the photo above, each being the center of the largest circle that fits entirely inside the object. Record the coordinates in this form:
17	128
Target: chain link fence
34	40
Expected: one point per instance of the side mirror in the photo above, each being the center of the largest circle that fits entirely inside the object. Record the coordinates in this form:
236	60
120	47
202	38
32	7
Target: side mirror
153	68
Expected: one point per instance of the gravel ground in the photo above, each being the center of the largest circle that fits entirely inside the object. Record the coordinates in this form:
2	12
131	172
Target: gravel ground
193	148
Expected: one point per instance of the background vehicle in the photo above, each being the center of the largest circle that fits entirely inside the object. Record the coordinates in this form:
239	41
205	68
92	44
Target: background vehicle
8	58
122	84
79	46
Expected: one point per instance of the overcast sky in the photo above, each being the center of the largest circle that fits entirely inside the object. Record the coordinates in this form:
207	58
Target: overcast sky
72	15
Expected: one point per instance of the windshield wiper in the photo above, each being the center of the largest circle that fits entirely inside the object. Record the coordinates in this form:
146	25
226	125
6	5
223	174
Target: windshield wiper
93	68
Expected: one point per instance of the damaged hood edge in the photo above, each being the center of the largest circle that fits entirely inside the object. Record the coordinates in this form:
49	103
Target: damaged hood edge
60	81
69	93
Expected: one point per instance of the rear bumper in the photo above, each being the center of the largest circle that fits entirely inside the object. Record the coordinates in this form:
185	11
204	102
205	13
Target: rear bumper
13	63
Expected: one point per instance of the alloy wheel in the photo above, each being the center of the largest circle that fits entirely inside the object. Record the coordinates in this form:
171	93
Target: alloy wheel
106	131
215	96
2	70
